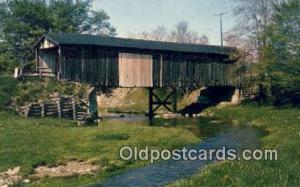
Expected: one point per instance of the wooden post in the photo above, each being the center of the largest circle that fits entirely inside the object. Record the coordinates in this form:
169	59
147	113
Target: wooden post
59	107
83	78
37	60
42	109
150	104
161	71
74	108
59	64
88	111
27	112
106	71
174	100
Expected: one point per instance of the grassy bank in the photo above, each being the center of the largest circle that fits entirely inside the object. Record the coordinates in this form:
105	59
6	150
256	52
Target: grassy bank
34	142
283	127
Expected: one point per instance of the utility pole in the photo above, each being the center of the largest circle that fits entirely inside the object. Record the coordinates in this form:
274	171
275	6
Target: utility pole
221	25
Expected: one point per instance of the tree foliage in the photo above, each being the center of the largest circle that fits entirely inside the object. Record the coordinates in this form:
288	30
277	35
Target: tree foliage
268	33
24	21
284	32
282	53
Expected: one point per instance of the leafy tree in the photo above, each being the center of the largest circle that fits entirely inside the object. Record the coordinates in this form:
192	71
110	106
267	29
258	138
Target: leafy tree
99	24
67	16
77	16
24	21
7	61
284	33
282	54
8	89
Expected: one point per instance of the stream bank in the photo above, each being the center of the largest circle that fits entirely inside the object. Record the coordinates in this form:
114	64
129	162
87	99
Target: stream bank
214	136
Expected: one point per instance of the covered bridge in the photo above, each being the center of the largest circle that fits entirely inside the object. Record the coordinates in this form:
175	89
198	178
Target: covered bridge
118	62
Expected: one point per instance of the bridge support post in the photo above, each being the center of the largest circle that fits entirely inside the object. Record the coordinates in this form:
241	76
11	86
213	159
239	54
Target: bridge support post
174	100
150	104
155	102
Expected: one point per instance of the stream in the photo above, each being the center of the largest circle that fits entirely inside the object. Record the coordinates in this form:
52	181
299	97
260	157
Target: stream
214	135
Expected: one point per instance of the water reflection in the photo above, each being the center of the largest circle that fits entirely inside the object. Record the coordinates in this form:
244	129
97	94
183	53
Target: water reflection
199	126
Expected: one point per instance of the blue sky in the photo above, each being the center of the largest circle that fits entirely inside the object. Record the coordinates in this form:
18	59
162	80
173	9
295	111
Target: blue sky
134	16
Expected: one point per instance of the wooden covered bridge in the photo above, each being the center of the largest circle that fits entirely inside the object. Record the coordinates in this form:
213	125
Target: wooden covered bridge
119	62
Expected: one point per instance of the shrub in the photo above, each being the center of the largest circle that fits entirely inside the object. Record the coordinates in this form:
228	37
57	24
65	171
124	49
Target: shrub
8	88
285	84
14	93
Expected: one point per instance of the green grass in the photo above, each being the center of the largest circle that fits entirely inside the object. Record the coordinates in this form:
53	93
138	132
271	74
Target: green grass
283	127
34	142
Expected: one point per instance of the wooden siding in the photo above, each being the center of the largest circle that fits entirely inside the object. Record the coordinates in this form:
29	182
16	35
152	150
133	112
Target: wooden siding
46	44
135	70
180	70
99	66
96	66
48	60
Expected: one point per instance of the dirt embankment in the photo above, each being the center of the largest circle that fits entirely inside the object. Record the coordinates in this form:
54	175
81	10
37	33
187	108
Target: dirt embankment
10	177
72	168
123	100
115	98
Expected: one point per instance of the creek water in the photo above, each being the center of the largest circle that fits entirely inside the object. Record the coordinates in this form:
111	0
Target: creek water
213	134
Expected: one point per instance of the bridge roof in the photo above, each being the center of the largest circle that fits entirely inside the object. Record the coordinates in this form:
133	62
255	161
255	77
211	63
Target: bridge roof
85	39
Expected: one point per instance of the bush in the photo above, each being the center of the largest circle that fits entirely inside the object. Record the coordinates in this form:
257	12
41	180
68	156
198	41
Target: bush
38	89
7	64
8	88
285	84
14	93
282	54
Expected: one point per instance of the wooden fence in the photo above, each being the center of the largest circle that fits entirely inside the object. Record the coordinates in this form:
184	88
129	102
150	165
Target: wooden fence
60	107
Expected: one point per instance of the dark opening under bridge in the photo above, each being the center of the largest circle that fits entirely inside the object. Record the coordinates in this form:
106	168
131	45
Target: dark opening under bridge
118	62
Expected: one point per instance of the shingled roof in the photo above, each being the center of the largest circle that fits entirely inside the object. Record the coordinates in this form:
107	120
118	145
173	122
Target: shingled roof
85	39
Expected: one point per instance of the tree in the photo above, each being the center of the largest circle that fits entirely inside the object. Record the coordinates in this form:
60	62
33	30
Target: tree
283	34
234	38
254	16
159	34
76	16
99	24
181	34
24	21
282	53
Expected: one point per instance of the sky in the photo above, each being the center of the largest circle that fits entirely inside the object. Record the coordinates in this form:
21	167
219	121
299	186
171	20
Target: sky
135	16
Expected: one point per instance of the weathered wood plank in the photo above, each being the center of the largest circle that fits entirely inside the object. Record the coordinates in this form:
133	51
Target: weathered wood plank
135	70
